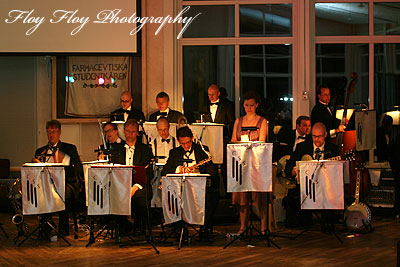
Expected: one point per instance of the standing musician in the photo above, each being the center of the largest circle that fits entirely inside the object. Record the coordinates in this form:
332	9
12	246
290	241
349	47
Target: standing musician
127	111
323	113
134	153
250	103
190	150
57	151
113	141
162	100
219	110
317	148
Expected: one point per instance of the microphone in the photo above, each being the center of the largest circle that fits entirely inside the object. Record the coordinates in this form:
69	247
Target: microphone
185	160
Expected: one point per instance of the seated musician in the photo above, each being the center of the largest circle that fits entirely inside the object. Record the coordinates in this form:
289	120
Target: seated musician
190	150
113	141
57	151
293	137
317	148
164	142
136	154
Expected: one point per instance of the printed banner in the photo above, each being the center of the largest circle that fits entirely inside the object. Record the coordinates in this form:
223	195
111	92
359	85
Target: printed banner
249	167
95	84
183	198
43	189
109	190
321	184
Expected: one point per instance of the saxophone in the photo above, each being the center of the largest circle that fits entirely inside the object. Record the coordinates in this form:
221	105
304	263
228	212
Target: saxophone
202	162
18	219
197	165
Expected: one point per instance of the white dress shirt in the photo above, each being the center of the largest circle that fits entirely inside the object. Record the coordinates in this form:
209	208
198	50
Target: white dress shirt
213	109
167	110
129	153
298	140
162	148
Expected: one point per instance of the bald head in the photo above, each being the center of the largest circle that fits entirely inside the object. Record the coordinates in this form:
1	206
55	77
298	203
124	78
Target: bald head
319	134
126	99
163	127
213	93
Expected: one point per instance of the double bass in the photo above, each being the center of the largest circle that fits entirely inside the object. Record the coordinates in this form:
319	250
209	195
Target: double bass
347	142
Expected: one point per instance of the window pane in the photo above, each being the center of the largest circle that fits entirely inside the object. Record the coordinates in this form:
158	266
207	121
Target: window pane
334	19
267	69
387	77
387	18
214	21
265	20
203	66
335	63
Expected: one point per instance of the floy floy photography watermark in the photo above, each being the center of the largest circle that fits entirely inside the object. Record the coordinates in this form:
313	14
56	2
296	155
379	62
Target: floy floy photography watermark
72	17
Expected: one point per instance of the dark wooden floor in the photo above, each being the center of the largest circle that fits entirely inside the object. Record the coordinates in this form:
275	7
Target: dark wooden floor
313	248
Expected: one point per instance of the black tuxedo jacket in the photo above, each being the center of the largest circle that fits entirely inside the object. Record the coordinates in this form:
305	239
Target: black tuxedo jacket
74	171
172	117
225	115
321	114
307	147
288	137
142	157
118	115
178	153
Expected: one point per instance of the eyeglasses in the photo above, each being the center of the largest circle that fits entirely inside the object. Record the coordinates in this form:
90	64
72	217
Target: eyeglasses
318	136
125	101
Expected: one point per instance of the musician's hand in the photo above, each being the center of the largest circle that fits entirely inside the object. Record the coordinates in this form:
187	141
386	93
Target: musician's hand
100	157
340	129
294	171
35	160
133	190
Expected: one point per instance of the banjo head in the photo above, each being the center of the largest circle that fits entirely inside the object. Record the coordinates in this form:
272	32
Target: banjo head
357	216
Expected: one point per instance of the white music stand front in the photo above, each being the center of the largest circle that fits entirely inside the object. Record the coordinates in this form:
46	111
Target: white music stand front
321	184
109	190
211	135
43	188
86	167
249	167
183	197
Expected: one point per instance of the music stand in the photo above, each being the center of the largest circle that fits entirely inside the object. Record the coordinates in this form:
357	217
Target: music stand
43	187
179	191
109	194
242	158
318	191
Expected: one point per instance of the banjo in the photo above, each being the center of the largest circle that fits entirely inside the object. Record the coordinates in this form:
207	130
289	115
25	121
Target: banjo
357	216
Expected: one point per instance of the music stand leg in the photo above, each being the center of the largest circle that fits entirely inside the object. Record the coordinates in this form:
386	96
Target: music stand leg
2	229
28	236
58	233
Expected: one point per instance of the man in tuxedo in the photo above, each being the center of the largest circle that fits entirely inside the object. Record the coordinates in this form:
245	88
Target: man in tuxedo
323	113
57	151
113	141
318	149
294	137
137	154
162	100
164	142
127	111
190	150
219	110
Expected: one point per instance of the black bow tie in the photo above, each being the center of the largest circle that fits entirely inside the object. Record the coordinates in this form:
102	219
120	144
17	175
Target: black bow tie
188	153
126	111
163	114
165	140
301	137
211	104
